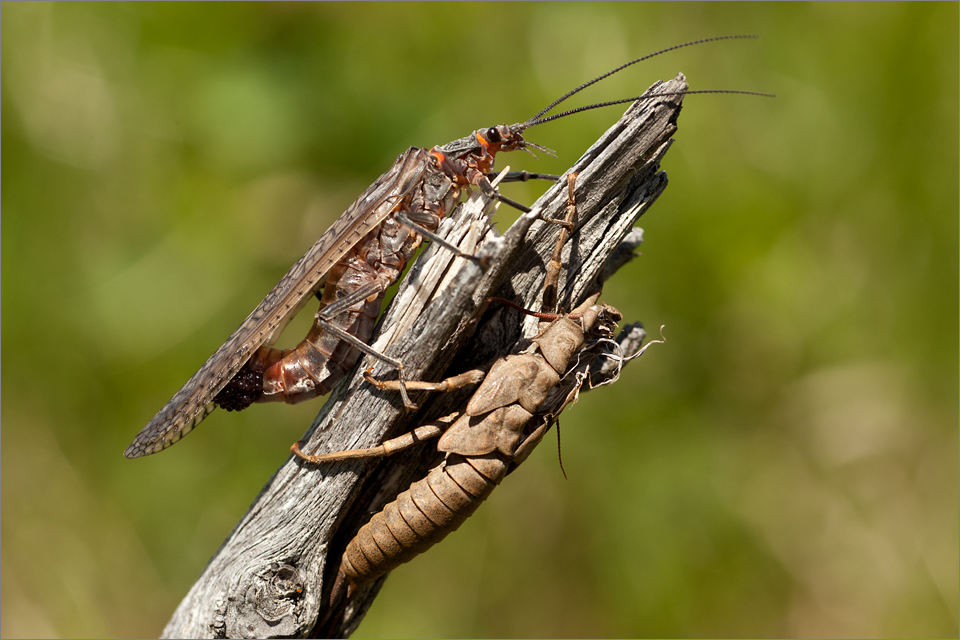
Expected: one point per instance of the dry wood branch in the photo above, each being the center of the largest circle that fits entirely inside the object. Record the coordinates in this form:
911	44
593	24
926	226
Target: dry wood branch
272	575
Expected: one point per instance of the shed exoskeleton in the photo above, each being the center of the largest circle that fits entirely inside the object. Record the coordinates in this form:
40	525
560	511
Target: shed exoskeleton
517	401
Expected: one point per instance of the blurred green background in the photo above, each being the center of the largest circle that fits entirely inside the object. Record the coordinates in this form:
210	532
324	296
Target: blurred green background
785	465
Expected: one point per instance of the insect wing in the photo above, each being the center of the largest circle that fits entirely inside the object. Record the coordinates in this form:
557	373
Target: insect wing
193	402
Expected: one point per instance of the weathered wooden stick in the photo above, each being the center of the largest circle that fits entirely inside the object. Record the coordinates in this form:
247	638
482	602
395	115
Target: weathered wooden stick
272	576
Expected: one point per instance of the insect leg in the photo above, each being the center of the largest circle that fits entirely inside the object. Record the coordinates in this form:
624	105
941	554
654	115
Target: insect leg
524	176
489	188
433	237
519	176
336	308
370	351
387	448
552	278
450	384
513	203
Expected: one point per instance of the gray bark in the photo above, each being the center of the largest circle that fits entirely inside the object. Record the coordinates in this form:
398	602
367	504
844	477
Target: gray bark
272	576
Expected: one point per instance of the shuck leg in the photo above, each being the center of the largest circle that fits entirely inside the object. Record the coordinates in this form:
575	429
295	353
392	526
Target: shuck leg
387	448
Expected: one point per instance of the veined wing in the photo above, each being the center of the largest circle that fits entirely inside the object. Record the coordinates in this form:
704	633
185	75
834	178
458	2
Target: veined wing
193	402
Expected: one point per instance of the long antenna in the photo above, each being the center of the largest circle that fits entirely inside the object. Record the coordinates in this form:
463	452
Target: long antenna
537	118
643	97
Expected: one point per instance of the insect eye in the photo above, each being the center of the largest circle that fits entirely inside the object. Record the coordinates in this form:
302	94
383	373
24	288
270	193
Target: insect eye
492	135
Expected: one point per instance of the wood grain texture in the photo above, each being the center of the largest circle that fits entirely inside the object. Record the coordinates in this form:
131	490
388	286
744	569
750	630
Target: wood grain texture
271	577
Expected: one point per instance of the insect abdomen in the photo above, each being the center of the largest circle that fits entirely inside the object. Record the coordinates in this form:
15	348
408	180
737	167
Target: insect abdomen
420	517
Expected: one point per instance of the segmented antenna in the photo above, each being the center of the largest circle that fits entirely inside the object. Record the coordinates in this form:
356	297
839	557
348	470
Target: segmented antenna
643	97
539	119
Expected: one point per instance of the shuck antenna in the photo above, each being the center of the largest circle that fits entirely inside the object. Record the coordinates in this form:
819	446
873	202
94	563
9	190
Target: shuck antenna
540	119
